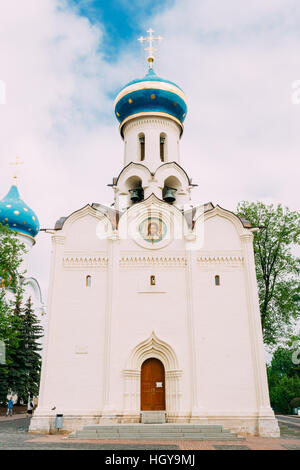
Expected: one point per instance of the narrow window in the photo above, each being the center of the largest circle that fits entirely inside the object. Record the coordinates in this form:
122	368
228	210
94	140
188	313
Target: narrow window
142	147
217	280
88	281
152	280
162	143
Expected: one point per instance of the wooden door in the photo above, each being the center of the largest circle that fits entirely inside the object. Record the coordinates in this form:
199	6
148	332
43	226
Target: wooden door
153	386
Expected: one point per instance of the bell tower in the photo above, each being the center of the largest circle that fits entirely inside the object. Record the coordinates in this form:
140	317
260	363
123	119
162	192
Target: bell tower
151	111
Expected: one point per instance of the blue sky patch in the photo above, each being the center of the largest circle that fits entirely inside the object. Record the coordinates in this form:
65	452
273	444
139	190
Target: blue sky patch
123	20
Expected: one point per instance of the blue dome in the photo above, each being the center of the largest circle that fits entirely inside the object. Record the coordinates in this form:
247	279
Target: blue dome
151	94
17	215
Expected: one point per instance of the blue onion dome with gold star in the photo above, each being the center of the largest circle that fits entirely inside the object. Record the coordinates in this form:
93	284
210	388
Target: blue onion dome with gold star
18	215
151	95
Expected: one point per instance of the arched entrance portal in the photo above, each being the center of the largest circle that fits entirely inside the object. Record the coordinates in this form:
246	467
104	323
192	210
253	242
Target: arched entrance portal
152	347
153	385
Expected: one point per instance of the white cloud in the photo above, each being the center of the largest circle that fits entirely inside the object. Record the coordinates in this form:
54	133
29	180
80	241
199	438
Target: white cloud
58	117
236	62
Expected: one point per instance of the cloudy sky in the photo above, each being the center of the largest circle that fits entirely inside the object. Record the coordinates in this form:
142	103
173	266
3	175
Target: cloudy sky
64	61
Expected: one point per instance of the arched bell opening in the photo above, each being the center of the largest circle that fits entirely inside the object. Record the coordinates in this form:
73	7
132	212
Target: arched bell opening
171	186
135	189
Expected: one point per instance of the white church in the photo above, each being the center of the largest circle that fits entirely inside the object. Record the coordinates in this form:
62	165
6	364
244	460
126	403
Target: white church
153	312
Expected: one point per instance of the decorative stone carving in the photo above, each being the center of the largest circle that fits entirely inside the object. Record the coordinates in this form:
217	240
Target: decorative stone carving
85	261
153	347
228	260
142	261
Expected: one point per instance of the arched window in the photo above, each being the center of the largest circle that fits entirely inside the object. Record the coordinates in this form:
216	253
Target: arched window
135	190
162	147
217	280
171	186
152	280
142	146
88	281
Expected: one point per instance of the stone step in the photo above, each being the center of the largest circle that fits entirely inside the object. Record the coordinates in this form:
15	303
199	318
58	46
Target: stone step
151	417
167	431
107	433
208	431
152	431
154	437
142	433
160	427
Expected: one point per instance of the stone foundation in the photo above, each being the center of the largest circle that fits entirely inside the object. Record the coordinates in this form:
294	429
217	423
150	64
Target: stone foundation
242	425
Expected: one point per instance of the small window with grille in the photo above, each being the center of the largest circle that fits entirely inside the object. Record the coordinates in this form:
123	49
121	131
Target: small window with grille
162	144
142	146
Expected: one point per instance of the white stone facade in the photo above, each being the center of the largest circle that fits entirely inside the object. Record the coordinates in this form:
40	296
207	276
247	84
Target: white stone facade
207	336
153	278
151	128
153	170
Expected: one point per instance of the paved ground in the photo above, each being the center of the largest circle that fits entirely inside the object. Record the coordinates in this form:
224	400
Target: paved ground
295	420
14	435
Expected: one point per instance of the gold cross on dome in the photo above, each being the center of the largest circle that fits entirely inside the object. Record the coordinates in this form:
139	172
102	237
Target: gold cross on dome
16	163
150	49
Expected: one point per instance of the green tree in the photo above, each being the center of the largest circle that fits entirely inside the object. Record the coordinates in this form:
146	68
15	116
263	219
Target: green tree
8	338
282	391
11	255
282	361
15	362
277	269
284	376
27	359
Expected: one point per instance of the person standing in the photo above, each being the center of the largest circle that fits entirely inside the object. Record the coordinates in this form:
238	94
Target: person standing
30	406
10	406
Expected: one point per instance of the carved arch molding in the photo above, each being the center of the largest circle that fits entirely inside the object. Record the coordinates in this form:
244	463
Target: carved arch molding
153	347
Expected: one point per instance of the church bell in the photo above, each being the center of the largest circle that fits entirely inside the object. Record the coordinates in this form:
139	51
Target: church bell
169	195
136	194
